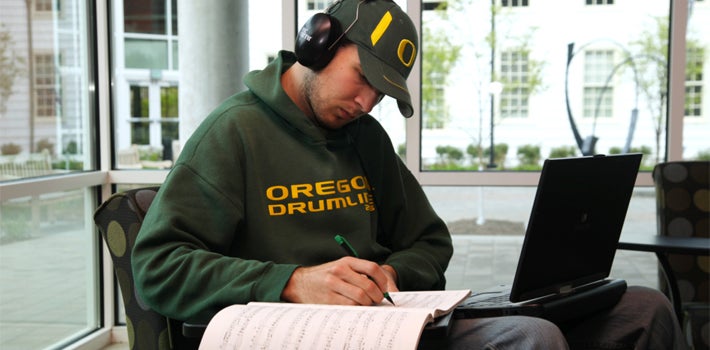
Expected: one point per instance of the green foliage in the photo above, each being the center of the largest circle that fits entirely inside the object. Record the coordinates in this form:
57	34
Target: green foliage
645	150
169	102
402	150
651	63
528	167
704	155
449	153
452	167
71	148
474	152
533	82
529	155
68	164
149	154
501	151
439	57
563	152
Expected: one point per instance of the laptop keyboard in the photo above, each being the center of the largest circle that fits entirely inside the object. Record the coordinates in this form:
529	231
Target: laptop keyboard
497	299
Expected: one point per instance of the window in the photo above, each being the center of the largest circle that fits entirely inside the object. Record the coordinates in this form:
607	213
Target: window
317	5
147	17
150	29
696	126
598	95
435	115
43	5
694	82
45	89
514	3
140	104
146	85
600	2
590	84
514	74
49	294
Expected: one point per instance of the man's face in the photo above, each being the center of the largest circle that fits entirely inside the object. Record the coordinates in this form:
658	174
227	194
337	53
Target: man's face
339	93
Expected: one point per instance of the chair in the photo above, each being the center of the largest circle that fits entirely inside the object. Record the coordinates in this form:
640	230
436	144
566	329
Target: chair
683	210
119	219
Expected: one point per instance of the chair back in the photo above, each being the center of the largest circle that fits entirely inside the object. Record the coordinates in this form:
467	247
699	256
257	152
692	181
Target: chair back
119	219
683	210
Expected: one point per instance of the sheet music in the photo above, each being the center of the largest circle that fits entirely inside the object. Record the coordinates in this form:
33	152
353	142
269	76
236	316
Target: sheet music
308	326
438	303
298	326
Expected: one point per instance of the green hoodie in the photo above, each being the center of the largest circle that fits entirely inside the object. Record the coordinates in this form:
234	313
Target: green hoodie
259	190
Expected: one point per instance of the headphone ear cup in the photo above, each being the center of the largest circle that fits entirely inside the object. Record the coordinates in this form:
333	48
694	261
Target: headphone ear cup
315	38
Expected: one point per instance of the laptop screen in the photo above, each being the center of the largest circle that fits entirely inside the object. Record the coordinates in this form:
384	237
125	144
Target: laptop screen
574	227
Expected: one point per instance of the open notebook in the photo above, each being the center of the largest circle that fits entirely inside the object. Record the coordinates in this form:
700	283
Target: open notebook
569	246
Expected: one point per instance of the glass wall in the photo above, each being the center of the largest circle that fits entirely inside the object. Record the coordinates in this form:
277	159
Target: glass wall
146	77
522	82
147	118
49	285
145	80
48	270
696	123
45	101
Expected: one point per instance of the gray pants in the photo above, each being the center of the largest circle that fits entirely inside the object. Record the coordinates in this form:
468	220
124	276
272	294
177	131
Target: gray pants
643	319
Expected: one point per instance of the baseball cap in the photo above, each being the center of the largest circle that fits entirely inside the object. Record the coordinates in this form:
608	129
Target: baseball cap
387	43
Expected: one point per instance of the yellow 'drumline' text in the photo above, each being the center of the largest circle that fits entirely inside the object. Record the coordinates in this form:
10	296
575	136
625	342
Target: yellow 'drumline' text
320	196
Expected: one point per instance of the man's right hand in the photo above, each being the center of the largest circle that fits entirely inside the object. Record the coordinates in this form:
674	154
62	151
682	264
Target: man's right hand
346	281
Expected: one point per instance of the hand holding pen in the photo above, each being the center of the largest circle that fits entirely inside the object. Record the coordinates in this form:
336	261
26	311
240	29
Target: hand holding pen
351	252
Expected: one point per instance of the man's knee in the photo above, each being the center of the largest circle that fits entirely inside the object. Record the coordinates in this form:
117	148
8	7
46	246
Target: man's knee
647	300
510	332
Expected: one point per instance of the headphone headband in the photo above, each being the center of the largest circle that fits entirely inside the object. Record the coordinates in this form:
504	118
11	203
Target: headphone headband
319	37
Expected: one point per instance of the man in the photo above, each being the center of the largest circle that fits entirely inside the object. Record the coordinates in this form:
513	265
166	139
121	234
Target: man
250	210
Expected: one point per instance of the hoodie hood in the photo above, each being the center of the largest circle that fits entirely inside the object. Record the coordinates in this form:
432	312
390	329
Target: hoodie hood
266	85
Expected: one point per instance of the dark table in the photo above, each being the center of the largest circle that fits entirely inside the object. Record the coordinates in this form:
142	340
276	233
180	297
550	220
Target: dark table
662	246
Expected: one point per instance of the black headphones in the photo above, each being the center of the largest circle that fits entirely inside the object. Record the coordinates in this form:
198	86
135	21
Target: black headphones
318	39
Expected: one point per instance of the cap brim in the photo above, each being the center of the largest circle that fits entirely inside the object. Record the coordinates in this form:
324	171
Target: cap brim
387	80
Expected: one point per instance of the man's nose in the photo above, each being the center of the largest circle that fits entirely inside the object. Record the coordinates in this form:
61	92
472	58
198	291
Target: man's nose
368	99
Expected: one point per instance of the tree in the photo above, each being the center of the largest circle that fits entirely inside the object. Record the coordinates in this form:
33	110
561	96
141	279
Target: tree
652	61
439	57
11	66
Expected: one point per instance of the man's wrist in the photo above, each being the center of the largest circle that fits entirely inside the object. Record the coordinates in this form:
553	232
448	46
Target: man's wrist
390	271
289	293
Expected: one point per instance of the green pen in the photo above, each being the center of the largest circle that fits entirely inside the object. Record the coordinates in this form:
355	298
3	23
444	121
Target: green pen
351	251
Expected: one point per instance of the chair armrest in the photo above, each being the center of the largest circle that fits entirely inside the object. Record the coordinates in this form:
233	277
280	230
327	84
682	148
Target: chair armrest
193	330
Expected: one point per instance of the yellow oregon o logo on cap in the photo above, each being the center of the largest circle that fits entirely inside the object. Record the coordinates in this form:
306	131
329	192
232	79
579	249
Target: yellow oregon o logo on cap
402	49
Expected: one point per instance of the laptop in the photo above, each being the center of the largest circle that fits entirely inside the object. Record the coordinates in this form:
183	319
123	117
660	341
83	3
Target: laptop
569	246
